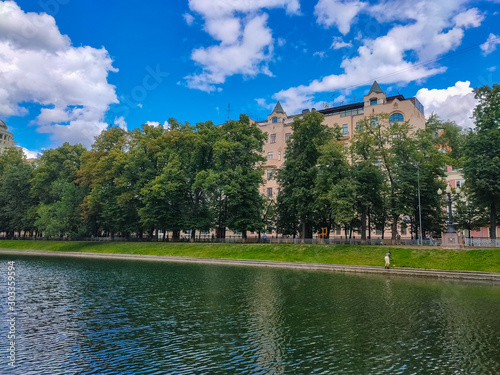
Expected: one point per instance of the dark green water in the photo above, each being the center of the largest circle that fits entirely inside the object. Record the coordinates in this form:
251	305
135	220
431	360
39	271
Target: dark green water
121	317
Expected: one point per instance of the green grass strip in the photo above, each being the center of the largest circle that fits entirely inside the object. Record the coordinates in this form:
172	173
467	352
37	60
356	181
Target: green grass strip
487	260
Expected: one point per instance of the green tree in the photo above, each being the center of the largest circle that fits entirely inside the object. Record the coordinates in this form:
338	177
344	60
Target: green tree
236	177
15	199
297	207
482	153
54	186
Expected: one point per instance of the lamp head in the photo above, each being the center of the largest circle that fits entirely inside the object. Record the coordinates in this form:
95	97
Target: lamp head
448	189
440	191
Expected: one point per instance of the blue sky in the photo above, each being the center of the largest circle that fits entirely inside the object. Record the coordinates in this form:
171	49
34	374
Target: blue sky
69	68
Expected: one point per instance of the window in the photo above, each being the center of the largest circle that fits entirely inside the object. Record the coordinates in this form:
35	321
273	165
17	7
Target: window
460	183
345	130
273	138
278	192
287	136
269	174
359	127
378	232
352	112
338	231
396	117
374	122
403	231
269	155
269	192
373	101
275	119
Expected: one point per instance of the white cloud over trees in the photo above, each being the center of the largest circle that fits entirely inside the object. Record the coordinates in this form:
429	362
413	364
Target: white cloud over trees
39	65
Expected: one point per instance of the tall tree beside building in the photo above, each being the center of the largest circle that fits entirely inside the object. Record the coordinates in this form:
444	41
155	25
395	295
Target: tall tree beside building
333	169
235	180
482	153
15	197
297	200
369	178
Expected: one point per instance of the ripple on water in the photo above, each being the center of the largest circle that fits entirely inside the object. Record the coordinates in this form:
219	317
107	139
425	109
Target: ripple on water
105	317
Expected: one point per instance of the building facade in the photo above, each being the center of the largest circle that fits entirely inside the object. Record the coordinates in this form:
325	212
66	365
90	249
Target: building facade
6	137
278	126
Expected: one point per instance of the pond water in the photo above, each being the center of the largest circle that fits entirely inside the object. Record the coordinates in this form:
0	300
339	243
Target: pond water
89	316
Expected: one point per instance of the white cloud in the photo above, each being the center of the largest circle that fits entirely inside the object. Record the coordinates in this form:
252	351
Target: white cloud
420	32
166	125
340	13
30	154
246	43
455	103
120	122
490	45
39	65
339	43
320	54
188	18
470	18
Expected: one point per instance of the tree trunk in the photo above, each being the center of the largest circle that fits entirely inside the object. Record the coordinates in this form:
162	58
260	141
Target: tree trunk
303	235
193	235
164	234
369	224
244	235
493	221
363	224
394	227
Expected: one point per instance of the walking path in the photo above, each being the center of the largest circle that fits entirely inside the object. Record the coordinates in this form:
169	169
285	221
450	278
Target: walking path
464	275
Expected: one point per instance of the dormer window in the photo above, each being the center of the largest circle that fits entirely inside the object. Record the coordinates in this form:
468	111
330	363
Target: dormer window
275	119
373	101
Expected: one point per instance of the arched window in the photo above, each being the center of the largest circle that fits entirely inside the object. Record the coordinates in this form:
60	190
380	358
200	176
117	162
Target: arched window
275	119
396	117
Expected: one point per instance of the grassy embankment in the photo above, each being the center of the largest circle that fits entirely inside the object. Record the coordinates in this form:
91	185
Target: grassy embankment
427	258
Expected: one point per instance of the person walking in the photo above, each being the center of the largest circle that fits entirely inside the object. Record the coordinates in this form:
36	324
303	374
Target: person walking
388	257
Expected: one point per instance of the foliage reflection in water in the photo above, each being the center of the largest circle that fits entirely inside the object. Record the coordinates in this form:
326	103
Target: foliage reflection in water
101	316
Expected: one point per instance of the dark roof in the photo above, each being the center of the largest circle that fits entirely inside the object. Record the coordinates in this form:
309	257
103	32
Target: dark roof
375	89
278	108
340	108
3	125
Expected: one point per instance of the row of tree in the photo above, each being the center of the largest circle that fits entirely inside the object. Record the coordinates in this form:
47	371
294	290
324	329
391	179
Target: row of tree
206	177
181	178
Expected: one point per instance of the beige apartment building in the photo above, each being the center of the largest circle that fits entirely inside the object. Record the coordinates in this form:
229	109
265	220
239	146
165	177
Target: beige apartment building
278	125
6	137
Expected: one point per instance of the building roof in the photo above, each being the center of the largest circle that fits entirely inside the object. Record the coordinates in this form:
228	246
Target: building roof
375	89
3	125
278	108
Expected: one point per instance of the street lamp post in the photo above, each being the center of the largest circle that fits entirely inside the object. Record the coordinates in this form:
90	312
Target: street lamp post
419	206
451	236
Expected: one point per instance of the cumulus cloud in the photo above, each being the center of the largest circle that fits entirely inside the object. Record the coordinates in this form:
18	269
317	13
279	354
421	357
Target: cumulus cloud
455	103
420	33
39	65
339	43
166	125
340	13
30	154
246	43
490	45
121	123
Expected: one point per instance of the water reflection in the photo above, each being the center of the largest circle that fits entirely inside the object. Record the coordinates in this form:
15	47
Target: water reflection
102	316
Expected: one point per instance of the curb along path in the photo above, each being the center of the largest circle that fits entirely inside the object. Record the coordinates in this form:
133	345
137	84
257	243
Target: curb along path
463	275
